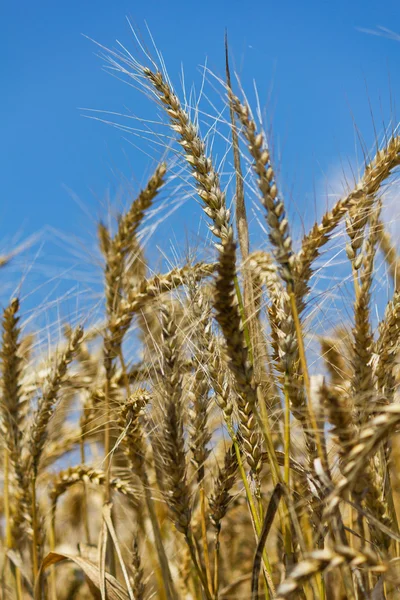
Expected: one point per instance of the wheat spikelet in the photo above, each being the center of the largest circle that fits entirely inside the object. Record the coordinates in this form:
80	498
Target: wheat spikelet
335	360
356	223
340	415
104	238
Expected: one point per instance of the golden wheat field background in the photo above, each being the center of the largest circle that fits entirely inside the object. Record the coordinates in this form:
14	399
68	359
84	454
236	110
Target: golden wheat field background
214	435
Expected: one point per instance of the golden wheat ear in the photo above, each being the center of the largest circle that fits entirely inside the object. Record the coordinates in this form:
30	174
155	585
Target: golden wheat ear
357	200
321	560
363	380
390	253
117	248
278	224
12	418
137	573
229	319
47	403
12	402
206	176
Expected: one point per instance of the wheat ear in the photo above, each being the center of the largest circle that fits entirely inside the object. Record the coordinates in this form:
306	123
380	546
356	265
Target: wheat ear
390	252
174	451
386	349
363	383
335	361
137	577
118	247
174	454
376	430
207	179
323	560
375	173
12	417
199	391
133	441
228	318
219	502
276	218
12	403
147	291
48	401
65	479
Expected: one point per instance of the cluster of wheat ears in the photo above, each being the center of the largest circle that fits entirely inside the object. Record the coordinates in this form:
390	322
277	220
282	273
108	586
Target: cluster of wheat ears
218	466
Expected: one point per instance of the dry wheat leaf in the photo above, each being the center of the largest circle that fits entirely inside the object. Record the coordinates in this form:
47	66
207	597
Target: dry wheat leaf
114	590
16	559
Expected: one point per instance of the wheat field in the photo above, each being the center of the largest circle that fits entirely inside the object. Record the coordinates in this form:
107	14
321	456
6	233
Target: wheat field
246	453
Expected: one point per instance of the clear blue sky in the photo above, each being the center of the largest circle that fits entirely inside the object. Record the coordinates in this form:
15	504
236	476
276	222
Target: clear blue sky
312	54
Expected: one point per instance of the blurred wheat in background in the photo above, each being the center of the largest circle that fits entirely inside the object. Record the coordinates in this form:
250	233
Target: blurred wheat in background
223	444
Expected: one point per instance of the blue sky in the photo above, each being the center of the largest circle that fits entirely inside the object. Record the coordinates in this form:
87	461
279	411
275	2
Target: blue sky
319	70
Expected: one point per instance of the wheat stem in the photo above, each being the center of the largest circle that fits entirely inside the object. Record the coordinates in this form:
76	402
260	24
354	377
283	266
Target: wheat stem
52	538
303	361
251	503
204	538
35	565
